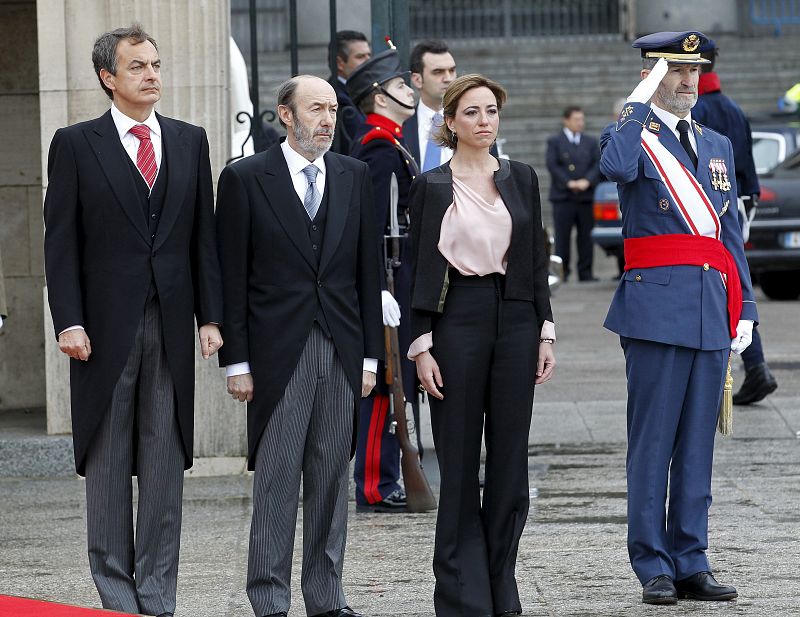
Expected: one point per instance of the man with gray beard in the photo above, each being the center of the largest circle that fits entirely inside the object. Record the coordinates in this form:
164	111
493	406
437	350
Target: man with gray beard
302	321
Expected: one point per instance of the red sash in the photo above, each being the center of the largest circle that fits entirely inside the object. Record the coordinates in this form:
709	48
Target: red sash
687	250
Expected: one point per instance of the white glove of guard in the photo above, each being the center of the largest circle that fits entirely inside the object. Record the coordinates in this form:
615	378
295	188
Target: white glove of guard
744	336
391	310
648	86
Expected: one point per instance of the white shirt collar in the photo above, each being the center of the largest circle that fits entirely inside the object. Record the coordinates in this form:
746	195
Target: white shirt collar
425	115
297	162
670	119
125	123
341	79
572	137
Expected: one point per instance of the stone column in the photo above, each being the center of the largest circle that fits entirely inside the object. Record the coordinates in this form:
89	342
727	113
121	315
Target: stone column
192	37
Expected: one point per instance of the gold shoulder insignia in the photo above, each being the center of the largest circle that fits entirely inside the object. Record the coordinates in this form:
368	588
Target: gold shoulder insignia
691	43
654	126
698	128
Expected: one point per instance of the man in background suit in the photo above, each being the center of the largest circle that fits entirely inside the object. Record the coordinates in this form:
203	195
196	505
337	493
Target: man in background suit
130	260
572	159
433	69
351	49
303	335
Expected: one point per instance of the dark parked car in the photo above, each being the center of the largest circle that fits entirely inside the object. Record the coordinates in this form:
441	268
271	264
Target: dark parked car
773	261
773	250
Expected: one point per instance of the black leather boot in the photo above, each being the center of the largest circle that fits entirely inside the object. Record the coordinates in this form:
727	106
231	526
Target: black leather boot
758	383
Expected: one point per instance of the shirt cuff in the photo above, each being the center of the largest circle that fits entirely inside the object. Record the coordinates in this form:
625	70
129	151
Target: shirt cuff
420	345
70	328
548	330
371	365
240	368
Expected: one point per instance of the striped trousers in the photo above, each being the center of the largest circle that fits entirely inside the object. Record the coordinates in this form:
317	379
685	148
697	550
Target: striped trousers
309	436
137	574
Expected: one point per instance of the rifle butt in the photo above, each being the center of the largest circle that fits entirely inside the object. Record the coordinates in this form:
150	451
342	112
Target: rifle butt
419	496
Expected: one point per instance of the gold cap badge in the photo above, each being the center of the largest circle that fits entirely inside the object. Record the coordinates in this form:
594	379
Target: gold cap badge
691	43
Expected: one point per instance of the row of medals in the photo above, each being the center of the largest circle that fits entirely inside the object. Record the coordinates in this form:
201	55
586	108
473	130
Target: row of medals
719	175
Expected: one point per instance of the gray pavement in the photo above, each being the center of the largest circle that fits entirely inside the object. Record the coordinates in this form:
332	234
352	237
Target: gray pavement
572	557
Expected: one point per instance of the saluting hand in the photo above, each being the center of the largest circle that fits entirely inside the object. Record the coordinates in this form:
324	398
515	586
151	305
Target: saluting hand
76	344
648	86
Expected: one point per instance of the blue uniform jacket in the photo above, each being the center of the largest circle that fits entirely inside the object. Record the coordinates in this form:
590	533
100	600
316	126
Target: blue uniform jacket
719	112
675	305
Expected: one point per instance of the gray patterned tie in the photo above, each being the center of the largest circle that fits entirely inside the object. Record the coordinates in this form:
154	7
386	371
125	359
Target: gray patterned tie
313	198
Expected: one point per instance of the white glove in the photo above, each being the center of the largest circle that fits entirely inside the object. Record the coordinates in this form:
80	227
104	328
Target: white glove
648	86
744	336
391	310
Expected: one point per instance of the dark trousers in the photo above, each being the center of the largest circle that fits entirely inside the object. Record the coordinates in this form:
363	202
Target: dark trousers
377	465
486	350
137	576
754	354
673	403
569	214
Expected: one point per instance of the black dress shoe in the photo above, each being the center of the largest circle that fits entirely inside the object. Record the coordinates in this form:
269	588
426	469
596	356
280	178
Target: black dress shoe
393	502
703	586
281	614
659	590
345	611
758	383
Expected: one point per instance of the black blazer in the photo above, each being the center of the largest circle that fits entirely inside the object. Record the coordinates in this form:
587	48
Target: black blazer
100	260
349	119
272	285
526	272
566	161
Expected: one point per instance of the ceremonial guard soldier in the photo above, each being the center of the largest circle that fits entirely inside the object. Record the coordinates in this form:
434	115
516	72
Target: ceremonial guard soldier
379	89
684	303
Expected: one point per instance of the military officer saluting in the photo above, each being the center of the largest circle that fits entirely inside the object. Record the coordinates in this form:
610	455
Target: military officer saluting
684	303
379	89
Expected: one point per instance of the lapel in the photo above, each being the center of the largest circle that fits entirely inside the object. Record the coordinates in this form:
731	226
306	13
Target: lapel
113	160
440	186
704	152
175	147
671	143
511	197
411	136
277	186
339	187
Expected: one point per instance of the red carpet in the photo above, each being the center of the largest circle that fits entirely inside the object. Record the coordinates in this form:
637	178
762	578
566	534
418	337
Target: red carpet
25	607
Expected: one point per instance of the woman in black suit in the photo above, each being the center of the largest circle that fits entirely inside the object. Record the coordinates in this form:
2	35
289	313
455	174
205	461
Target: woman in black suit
482	336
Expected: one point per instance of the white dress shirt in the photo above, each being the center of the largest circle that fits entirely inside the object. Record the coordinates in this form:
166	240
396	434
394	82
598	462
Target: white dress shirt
297	163
671	120
131	144
424	122
574	138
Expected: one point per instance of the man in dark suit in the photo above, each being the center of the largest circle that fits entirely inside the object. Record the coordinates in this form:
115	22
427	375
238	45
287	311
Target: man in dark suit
303	337
572	159
351	49
131	260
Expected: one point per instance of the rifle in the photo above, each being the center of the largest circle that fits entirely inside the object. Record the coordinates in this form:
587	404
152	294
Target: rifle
419	496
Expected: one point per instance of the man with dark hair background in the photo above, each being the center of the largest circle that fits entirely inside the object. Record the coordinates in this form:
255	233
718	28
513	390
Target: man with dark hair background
721	113
351	49
572	159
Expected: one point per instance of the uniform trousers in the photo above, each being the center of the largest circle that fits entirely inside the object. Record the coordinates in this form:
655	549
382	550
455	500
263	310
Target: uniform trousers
754	354
487	349
673	404
139	434
566	215
309	434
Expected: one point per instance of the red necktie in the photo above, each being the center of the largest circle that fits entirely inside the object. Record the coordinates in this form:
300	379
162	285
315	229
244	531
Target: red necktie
145	155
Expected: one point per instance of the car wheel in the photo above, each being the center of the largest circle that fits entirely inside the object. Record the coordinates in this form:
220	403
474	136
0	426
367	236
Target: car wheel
780	285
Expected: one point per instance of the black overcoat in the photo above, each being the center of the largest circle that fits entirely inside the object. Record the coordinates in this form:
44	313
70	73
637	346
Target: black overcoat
100	260
273	286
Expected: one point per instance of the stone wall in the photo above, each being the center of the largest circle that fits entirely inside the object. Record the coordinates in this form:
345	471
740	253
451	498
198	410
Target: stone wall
22	381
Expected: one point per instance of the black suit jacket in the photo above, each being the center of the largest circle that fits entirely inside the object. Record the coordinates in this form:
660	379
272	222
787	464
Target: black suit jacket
273	287
100	261
526	271
566	161
348	119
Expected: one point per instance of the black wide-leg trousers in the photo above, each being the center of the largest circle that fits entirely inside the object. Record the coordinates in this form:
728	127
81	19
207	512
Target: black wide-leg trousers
487	349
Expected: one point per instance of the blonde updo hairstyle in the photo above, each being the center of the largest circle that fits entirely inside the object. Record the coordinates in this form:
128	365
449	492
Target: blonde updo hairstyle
443	135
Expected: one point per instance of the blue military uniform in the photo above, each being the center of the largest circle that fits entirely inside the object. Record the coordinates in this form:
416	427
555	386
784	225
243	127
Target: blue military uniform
674	329
379	143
